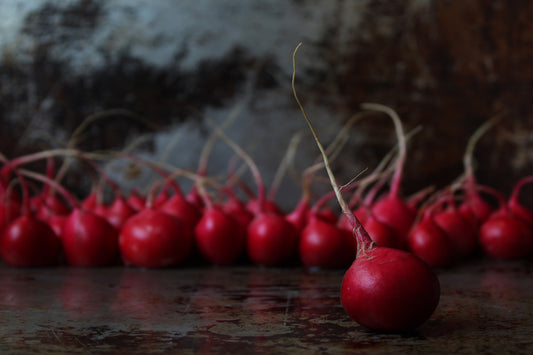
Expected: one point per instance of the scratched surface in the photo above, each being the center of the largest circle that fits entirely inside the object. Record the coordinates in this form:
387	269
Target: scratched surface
486	307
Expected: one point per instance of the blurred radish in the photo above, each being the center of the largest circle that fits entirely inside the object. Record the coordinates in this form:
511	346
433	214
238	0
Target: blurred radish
384	289
27	241
504	235
271	239
88	239
152	238
430	243
219	236
460	231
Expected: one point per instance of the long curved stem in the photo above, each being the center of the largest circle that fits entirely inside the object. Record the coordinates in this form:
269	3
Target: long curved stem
363	239
402	144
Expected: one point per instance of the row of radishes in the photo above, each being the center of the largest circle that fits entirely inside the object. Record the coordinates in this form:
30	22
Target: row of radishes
41	226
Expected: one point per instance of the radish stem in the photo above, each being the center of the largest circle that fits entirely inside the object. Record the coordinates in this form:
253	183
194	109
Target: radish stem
363	239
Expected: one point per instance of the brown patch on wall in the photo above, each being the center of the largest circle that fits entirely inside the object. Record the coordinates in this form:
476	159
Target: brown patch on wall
448	67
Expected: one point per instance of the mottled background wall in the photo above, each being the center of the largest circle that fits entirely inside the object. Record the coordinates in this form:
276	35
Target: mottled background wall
444	65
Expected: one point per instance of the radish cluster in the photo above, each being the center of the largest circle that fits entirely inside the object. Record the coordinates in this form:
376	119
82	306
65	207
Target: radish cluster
388	244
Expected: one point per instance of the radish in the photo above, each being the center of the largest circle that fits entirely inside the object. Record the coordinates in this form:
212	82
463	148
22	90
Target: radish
271	239
504	235
391	209
384	289
88	239
460	231
219	236
430	243
324	245
152	238
28	241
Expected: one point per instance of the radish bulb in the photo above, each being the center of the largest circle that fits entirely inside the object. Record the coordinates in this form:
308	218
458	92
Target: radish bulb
504	235
384	289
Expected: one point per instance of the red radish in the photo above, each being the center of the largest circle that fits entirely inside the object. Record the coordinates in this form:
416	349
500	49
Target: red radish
88	239
504	235
219	237
324	245
236	208
118	212
271	239
514	204
384	289
27	241
298	217
391	209
430	243
461	232
379	232
154	239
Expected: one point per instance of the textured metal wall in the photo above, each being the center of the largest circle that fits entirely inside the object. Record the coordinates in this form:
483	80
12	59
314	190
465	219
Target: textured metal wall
446	66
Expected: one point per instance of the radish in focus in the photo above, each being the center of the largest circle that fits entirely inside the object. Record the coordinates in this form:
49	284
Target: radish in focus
384	289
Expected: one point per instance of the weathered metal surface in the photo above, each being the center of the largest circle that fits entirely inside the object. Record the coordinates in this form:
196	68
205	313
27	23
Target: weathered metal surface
486	307
446	66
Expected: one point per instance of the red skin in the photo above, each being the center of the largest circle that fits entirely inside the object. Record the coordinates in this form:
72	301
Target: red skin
389	290
505	236
9	210
118	212
154	239
430	243
188	213
57	222
396	214
238	211
379	232
271	240
459	230
299	216
476	210
27	242
268	206
136	201
521	212
324	245
89	240
219	237
52	205
327	215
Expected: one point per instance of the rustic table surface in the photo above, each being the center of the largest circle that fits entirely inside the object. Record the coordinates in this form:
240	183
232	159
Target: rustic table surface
485	307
